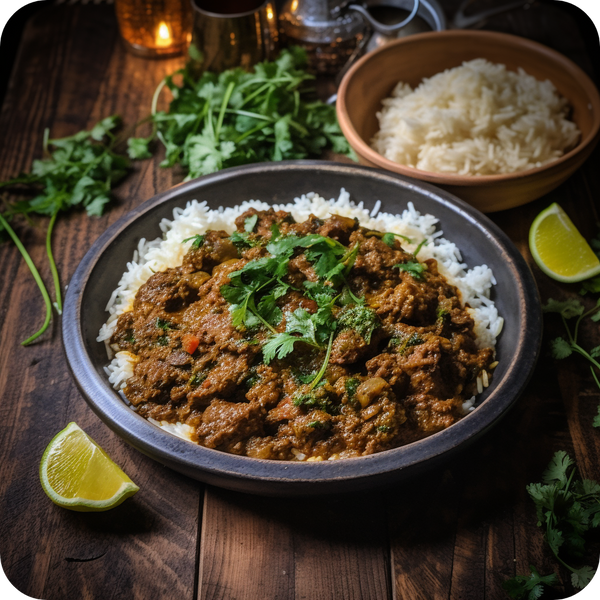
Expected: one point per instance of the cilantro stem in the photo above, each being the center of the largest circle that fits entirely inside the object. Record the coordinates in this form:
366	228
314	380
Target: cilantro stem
36	276
589	312
595	376
245	113
156	95
581	351
423	243
321	372
224	104
53	269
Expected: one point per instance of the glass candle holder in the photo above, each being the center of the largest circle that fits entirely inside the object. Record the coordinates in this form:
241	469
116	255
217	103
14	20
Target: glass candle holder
155	28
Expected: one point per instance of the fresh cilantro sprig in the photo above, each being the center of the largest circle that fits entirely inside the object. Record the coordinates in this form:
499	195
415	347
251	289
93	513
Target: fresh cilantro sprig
237	118
562	348
76	171
389	238
567	509
529	587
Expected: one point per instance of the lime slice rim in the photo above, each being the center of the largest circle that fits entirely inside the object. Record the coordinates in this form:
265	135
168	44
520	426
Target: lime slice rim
127	488
555	208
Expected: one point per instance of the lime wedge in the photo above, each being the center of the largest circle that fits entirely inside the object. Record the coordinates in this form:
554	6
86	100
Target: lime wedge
559	249
77	474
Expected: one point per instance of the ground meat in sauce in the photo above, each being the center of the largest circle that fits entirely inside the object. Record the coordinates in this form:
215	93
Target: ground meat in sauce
404	379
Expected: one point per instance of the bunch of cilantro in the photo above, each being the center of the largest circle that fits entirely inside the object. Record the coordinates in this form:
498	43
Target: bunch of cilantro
76	171
566	509
237	118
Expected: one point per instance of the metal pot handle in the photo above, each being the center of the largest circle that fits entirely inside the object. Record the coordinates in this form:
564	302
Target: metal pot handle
380	27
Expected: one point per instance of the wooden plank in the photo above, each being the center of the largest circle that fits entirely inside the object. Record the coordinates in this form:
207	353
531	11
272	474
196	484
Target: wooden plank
70	74
279	548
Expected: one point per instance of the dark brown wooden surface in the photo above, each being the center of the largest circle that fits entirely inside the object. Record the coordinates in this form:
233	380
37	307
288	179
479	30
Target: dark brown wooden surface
457	532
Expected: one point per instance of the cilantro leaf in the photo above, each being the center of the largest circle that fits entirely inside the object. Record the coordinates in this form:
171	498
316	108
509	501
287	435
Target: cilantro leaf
415	269
581	577
560	348
138	148
390	238
280	345
250	223
567	308
558	468
198	241
529	587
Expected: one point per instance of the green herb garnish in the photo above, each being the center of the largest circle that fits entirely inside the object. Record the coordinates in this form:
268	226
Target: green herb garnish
529	587
389	238
198	241
566	509
236	118
362	319
561	348
77	171
415	269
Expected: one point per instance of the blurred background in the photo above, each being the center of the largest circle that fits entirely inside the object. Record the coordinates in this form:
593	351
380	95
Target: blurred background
12	22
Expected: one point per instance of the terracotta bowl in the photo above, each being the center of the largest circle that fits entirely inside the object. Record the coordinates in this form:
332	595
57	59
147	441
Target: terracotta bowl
479	240
412	58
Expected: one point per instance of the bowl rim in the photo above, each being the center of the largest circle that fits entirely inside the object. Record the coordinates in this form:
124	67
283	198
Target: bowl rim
362	148
271	477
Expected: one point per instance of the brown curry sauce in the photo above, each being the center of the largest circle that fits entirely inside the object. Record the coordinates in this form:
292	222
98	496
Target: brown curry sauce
407	381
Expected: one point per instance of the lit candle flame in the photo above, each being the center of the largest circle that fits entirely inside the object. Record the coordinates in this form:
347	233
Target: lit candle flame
163	35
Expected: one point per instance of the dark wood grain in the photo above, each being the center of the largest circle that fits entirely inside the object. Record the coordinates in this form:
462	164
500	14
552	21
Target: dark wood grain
456	533
71	71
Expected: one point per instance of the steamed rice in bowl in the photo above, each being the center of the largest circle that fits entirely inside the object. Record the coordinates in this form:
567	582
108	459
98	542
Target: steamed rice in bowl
474	283
475	119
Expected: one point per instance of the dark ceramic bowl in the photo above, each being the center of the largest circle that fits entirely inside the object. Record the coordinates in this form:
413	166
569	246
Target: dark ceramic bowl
479	240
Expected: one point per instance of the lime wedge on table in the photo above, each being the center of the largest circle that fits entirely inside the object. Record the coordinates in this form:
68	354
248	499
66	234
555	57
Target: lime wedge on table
559	249
77	474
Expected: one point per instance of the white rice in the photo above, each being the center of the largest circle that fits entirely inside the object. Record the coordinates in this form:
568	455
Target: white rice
476	119
196	218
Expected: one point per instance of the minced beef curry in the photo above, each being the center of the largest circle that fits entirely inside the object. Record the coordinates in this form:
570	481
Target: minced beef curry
311	340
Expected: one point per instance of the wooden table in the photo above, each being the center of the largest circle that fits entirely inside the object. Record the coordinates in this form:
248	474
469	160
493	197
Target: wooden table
457	532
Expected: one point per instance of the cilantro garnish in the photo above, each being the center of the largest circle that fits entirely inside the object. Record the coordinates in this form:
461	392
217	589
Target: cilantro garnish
320	402
566	509
362	319
198	241
561	348
250	223
415	269
389	238
164	325
351	386
77	171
